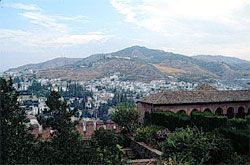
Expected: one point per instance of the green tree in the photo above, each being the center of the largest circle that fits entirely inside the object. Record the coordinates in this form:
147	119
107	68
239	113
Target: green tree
66	145
126	116
108	147
16	142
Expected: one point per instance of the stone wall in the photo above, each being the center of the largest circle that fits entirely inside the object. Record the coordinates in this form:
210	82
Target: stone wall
143	162
144	151
88	128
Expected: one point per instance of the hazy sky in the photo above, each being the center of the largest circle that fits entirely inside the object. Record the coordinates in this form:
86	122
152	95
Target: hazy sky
37	30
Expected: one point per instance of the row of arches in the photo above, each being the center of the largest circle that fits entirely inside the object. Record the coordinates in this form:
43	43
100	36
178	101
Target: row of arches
230	112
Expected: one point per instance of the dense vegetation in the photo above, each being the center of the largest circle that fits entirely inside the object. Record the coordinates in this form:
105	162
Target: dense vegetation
127	117
202	138
16	143
65	146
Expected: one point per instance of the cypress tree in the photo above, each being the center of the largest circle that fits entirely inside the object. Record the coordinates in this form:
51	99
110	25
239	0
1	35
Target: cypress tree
16	142
66	145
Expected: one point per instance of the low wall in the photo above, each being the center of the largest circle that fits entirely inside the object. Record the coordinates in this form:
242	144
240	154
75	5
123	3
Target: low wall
144	151
143	162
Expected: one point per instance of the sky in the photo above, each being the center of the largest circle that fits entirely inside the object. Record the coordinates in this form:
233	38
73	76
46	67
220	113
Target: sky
33	31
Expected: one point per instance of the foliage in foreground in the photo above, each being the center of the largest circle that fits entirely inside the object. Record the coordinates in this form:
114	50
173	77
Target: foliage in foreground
16	142
239	138
65	146
109	147
126	116
196	147
152	135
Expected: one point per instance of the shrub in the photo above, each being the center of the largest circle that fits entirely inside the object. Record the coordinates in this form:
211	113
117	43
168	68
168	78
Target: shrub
248	119
169	119
238	123
208	121
124	140
239	139
148	134
126	116
196	147
238	159
108	147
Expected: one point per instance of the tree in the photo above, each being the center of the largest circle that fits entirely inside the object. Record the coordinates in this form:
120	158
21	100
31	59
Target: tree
108	147
16	142
126	116
66	145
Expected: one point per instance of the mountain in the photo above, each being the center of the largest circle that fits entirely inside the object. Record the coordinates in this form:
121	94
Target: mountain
142	64
233	62
57	62
128	69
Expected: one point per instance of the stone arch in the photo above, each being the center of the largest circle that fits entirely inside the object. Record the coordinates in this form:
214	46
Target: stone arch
230	113
219	111
240	113
208	110
182	112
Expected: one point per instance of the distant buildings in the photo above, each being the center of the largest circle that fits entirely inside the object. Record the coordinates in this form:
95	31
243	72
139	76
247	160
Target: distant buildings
103	91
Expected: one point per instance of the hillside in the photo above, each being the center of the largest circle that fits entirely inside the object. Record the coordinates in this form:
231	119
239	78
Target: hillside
233	62
142	64
57	62
128	69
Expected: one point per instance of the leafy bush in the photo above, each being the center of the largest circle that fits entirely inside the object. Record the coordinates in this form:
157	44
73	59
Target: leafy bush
239	139
238	123
238	159
148	134
208	121
169	119
126	116
108	147
196	147
124	140
248	119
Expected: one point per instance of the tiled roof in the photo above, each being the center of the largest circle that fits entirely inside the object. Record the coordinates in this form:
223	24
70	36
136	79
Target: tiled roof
203	94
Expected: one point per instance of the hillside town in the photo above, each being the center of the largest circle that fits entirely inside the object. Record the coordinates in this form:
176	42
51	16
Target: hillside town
95	94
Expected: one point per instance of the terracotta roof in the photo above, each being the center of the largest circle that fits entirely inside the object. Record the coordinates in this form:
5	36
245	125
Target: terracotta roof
203	94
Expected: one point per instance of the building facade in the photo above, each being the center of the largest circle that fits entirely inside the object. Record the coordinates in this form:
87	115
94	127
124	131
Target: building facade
232	103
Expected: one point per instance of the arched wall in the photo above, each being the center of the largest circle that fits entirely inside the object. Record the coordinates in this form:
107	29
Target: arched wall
199	107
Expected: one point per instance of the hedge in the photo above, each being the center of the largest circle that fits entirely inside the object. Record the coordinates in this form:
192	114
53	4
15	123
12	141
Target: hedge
169	119
238	123
240	140
203	120
208	121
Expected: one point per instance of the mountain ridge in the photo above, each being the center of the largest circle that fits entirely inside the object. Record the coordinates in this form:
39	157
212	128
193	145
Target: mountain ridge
145	65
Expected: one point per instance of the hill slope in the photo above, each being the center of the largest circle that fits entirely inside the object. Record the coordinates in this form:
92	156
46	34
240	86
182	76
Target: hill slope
235	63
142	64
128	69
57	62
